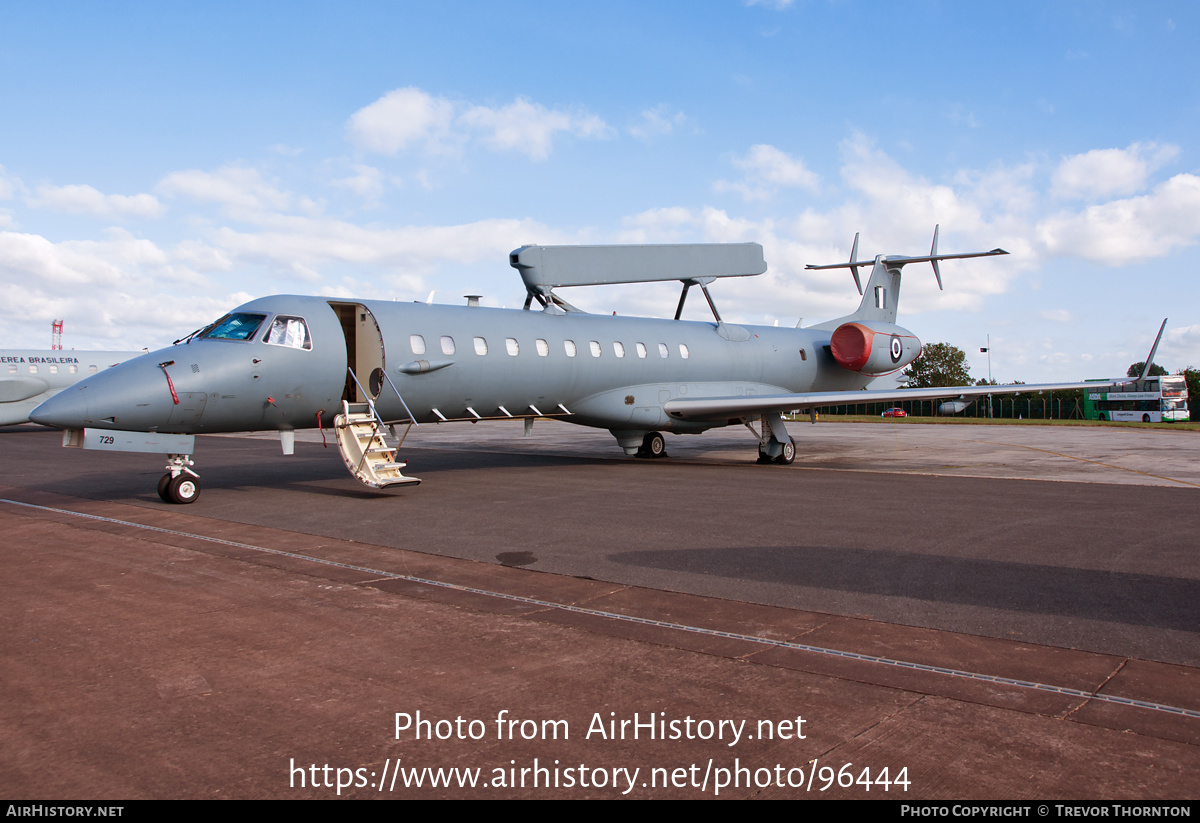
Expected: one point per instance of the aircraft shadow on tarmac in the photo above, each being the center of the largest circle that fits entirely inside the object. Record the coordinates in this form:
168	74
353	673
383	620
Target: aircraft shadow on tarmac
1133	599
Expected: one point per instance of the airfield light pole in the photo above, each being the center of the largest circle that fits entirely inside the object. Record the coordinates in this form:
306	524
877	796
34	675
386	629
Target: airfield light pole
988	351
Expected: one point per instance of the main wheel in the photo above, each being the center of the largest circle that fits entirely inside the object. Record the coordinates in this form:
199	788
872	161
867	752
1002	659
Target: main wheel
1145	418
788	455
654	445
183	489
163	482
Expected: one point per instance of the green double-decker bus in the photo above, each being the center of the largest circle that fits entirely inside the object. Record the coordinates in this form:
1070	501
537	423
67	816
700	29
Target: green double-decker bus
1150	400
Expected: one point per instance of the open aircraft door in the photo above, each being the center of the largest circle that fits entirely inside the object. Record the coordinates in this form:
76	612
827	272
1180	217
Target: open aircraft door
364	350
360	429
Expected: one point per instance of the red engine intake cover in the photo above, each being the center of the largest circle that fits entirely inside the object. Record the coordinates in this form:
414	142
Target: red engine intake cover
851	345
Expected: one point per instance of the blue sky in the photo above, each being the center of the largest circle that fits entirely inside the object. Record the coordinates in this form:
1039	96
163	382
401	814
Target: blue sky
163	162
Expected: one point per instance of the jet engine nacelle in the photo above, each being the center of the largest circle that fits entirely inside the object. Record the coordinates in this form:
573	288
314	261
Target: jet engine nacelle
873	348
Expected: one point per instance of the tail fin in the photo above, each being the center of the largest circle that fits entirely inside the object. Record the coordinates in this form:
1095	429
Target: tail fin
883	288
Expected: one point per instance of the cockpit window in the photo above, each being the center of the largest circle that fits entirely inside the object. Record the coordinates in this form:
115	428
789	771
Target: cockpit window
236	326
289	331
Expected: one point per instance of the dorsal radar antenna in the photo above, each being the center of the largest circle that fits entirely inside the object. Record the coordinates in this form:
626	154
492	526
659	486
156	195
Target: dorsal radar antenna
545	268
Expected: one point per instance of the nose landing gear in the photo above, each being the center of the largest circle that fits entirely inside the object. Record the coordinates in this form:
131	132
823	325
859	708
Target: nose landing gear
180	484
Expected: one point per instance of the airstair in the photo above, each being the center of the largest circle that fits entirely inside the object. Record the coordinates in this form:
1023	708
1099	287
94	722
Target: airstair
364	447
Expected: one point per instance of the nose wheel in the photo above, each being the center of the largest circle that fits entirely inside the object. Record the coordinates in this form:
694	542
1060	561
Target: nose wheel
180	484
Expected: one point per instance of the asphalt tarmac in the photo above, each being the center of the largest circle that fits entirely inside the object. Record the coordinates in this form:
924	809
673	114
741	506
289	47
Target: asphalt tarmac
977	606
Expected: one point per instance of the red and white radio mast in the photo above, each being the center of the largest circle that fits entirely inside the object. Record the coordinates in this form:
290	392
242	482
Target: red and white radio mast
56	334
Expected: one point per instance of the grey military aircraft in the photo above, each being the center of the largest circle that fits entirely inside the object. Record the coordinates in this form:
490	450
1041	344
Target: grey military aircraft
358	366
29	377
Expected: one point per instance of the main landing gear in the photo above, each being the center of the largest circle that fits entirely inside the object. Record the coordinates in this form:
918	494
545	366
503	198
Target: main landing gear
775	445
180	484
786	456
653	445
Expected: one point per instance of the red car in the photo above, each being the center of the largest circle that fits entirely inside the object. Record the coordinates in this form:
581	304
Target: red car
895	411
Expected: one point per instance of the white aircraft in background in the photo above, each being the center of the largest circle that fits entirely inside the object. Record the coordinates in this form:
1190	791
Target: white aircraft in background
29	377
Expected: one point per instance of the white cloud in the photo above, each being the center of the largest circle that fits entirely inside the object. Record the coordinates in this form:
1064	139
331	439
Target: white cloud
7	184
410	116
402	117
83	199
235	187
1129	230
25	257
306	246
769	164
766	169
776	5
367	183
1181	346
1106	172
658	122
529	128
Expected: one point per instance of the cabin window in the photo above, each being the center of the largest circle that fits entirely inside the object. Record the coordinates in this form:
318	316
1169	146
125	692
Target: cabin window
417	343
12	369
543	348
92	369
289	331
803	354
683	351
32	369
880	297
447	344
569	346
53	369
641	350
511	344
595	347
239	326
663	351
619	349
72	368
480	345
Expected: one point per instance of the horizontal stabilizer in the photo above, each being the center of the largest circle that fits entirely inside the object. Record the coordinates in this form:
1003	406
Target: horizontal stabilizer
894	262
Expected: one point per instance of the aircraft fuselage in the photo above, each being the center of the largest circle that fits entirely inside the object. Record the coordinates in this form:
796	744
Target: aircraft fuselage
448	362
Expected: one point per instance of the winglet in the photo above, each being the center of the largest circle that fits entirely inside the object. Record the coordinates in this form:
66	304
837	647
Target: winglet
1153	349
854	268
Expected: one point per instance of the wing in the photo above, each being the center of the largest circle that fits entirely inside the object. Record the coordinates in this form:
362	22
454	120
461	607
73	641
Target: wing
721	408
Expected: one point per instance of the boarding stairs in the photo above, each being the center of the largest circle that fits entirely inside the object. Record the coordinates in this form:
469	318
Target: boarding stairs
364	447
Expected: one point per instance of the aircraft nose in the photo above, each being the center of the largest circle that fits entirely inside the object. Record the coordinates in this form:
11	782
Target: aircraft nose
65	410
133	396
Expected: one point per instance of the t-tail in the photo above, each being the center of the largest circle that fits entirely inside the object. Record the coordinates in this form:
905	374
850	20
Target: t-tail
853	343
883	287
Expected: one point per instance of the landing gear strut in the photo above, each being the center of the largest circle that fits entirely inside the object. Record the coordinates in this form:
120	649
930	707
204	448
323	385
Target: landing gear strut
180	484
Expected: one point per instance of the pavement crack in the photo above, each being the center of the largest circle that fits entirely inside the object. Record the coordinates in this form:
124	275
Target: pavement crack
1096	691
918	700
